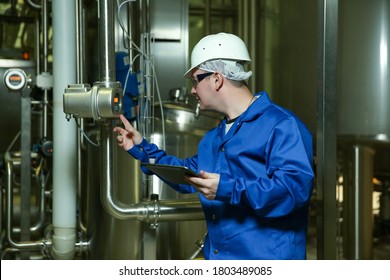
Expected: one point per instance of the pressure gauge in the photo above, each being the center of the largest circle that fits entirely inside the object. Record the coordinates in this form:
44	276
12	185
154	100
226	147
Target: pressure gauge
15	79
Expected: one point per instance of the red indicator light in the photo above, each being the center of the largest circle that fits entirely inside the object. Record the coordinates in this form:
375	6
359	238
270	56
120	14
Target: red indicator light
15	78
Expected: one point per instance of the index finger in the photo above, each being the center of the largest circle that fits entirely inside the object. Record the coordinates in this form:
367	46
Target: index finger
125	122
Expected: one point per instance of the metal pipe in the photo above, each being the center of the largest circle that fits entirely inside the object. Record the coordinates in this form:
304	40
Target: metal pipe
151	211
37	45
106	38
146	211
15	159
23	245
326	129
362	216
41	220
41	210
80	73
45	102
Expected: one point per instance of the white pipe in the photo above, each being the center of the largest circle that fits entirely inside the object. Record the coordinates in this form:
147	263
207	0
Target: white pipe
64	132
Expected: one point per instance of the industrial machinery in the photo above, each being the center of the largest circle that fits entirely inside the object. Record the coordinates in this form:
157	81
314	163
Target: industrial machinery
360	69
92	201
69	192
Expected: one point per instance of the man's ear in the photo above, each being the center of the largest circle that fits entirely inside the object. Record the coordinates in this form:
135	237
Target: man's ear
218	80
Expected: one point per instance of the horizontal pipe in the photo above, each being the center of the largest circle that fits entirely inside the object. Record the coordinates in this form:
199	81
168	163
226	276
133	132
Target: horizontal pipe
152	211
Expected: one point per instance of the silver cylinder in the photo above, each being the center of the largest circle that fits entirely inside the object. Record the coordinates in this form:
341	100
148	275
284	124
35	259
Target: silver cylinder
363	93
358	212
106	39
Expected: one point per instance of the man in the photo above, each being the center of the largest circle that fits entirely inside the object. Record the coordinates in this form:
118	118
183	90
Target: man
255	166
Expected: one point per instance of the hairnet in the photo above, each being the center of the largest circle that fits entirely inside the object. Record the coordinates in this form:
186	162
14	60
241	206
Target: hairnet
230	69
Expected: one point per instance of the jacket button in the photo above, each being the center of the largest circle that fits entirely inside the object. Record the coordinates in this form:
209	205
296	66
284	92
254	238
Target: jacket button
215	251
213	217
222	149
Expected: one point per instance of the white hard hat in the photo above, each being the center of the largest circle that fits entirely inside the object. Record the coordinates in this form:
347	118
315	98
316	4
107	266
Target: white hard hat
218	46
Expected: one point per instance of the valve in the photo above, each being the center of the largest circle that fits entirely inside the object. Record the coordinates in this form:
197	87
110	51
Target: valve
82	101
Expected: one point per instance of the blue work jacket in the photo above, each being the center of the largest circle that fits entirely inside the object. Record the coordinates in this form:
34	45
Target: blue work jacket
265	162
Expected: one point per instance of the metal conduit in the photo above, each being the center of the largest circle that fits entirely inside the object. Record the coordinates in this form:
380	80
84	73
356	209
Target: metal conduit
25	245
150	211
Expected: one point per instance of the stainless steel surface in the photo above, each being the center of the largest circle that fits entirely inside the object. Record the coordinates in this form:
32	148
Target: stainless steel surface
98	103
10	112
21	244
183	131
326	133
45	46
364	61
106	37
357	205
170	49
353	57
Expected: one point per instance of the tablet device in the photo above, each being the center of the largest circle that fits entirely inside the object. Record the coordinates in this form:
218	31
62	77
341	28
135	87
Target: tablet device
172	173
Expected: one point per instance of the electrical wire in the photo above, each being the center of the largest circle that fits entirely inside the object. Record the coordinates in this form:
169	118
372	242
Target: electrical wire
85	135
13	141
32	4
155	79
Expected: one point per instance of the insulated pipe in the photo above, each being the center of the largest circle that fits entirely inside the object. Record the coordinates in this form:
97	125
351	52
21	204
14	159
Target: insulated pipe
64	132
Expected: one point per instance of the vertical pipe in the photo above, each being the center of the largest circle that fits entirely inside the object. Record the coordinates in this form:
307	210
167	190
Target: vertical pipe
25	165
326	129
107	76
64	132
37	46
80	73
45	46
106	17
80	42
362	220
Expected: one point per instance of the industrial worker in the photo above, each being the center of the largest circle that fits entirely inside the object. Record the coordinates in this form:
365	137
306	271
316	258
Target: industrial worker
256	166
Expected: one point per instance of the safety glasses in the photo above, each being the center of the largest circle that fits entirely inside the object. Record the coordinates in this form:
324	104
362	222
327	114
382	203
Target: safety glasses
199	78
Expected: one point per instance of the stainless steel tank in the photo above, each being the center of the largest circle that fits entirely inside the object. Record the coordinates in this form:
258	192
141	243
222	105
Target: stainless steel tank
363	115
111	238
184	128
364	61
127	239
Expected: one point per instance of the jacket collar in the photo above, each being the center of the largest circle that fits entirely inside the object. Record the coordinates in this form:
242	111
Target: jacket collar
257	108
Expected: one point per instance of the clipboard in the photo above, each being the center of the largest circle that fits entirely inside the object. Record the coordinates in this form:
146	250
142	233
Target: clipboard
172	173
